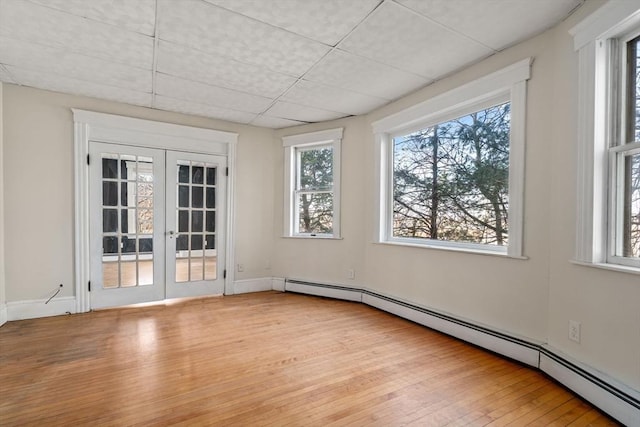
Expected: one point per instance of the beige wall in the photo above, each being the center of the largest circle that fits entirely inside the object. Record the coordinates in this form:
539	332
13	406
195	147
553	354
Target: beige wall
3	298
38	163
532	298
606	303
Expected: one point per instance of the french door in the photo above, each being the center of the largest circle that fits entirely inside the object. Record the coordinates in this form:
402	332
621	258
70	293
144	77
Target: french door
156	222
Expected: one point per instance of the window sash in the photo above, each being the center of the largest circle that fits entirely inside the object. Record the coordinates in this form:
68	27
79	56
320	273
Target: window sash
440	242
623	94
299	151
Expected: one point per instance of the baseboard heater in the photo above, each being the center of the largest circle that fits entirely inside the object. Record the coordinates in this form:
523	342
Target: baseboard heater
613	398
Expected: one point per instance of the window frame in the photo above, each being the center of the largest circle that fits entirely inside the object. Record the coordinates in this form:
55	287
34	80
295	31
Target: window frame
293	145
505	85
600	40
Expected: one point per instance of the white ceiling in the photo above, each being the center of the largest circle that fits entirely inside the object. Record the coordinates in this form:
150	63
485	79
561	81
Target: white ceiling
271	63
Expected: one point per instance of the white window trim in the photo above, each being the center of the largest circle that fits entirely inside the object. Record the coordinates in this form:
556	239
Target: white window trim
507	84
331	137
595	106
92	126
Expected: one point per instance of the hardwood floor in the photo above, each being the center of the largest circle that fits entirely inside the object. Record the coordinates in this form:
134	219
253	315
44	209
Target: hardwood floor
265	359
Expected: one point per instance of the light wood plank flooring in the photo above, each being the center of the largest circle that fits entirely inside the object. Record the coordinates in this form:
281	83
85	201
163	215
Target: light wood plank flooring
265	359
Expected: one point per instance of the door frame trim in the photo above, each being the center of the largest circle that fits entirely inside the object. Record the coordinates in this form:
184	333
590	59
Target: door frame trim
110	128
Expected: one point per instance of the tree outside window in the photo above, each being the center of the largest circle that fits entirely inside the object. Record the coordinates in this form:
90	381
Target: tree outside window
450	181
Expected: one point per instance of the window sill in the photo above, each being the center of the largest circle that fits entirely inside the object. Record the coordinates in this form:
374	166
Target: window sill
605	266
454	249
313	237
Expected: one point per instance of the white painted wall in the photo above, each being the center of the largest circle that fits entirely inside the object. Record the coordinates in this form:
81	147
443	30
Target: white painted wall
606	303
38	162
3	298
532	298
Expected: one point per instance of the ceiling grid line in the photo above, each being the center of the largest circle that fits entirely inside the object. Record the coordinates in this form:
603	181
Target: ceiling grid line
333	48
154	69
274	63
449	28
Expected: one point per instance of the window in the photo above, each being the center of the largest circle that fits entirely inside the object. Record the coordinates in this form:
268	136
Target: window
625	159
608	226
451	180
451	169
312	184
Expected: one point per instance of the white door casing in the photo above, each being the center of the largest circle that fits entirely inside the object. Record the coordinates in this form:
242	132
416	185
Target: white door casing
99	127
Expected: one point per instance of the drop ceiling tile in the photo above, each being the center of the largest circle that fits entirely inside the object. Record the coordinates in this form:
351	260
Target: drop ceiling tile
211	29
503	23
49	81
362	75
399	37
327	21
175	87
274	122
186	107
5	76
23	20
331	98
138	15
302	113
191	64
58	61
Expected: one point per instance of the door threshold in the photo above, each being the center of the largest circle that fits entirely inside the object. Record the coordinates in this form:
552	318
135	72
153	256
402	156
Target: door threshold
164	302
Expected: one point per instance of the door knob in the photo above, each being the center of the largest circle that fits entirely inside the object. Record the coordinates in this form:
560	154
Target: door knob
171	234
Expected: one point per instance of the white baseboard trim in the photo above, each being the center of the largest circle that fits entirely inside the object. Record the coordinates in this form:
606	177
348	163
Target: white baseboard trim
277	283
323	290
500	343
3	314
616	399
32	309
252	285
596	387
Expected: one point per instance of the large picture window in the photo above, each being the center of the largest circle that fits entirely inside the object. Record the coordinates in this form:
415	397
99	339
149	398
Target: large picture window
451	180
312	184
451	169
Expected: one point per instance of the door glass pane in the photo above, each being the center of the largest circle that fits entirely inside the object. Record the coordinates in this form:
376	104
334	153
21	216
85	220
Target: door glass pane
196	197
210	263
128	273
183	196
109	220
109	193
183	221
127	220
197	174
196	221
195	252
109	167
211	197
183	173
211	221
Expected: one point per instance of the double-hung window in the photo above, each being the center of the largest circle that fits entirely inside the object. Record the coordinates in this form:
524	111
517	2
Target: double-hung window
312	184
451	169
608	226
625	158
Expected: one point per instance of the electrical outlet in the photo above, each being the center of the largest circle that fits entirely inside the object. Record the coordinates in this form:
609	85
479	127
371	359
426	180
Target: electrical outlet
240	268
574	330
351	274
